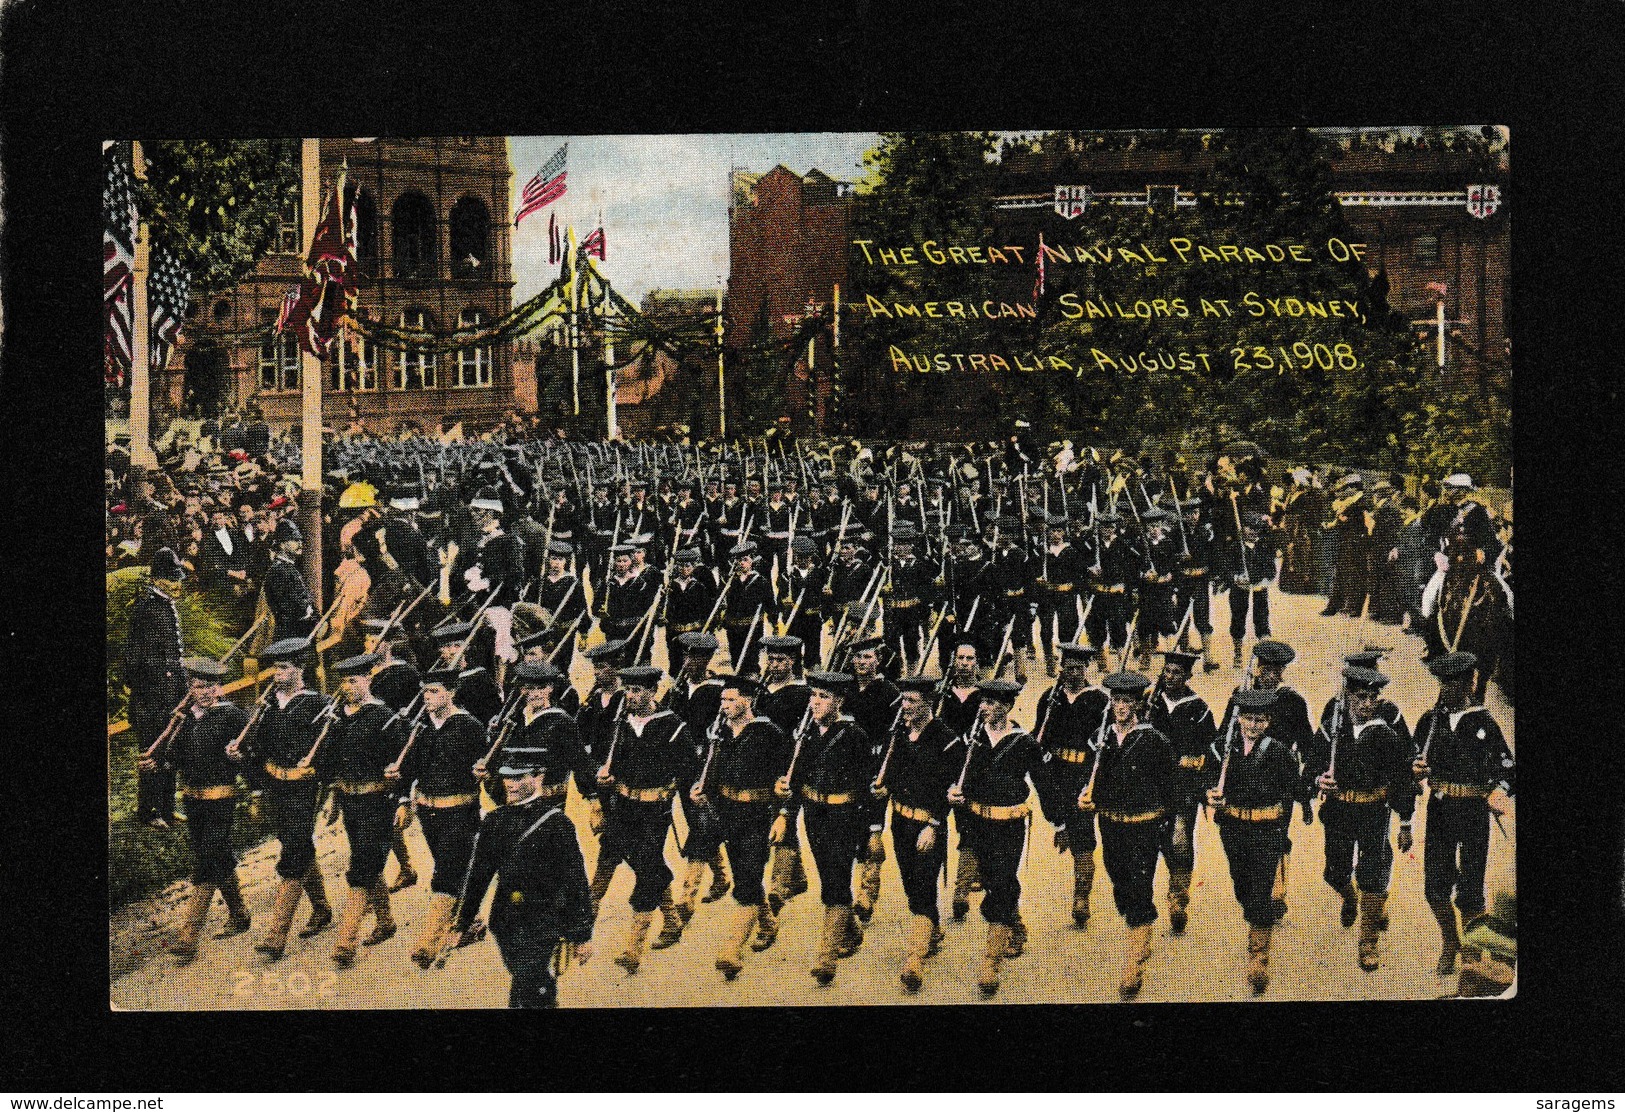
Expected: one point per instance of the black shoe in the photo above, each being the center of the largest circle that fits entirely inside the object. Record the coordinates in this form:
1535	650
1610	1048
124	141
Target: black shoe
1280	909
961	909
320	919
1328	612
1176	922
1351	912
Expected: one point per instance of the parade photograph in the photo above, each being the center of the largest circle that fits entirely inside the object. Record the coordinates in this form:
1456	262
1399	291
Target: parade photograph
809	569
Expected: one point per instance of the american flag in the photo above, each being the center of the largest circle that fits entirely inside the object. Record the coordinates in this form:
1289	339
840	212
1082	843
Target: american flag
170	291
118	261
545	188
594	243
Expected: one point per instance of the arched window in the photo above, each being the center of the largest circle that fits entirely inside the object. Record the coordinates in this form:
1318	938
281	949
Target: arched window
473	364
279	357
415	368
470	239
414	237
366	228
355	366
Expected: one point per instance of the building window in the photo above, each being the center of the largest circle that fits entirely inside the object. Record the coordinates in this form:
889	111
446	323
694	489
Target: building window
222	310
414	237
415	367
473	364
356	366
279	358
287	232
470	239
1426	250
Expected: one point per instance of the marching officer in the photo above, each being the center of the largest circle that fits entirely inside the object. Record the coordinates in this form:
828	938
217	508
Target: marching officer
361	740
1365	772
1000	761
1259	779
435	775
1070	721
1469	773
649	754
288	721
1183	717
1130	788
197	747
156	678
744	754
541	905
915	775
829	766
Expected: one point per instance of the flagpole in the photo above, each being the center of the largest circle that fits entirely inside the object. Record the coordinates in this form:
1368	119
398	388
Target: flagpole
722	390
141	453
609	370
575	337
310	386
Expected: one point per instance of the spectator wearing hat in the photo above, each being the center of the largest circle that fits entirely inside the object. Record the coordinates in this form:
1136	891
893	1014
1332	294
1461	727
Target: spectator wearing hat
197	748
744	753
827	771
361	741
649	754
997	764
689	598
1354	523
530	849
1184	718
435	775
1458	508
1469	769
748	606
1257	782
1465	608
155	677
1131	790
1364	773
224	561
288	723
1302	514
1387	571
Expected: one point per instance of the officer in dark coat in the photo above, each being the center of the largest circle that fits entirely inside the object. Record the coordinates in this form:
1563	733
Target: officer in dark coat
1132	789
1469	770
1261	777
287	595
828	771
744	754
288	722
362	739
157	682
1364	770
541	915
197	748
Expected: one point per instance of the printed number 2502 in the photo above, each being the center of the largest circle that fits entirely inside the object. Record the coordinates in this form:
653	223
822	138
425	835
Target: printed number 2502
269	982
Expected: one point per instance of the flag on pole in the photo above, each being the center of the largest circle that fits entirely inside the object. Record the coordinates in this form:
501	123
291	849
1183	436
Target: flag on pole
315	308
545	188
118	262
594	243
169	292
1437	287
1038	287
555	247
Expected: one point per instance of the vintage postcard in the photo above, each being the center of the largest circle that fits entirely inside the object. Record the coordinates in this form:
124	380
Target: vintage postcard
809	569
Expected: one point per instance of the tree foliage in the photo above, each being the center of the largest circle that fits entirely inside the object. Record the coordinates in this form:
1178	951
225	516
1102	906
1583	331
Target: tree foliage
217	203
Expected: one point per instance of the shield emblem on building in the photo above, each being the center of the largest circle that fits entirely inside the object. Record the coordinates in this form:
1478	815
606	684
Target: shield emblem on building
1071	200
1483	200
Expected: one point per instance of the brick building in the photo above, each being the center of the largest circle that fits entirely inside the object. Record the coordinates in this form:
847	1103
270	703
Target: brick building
788	239
434	252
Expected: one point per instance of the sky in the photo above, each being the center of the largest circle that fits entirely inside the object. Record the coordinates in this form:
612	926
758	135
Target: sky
664	200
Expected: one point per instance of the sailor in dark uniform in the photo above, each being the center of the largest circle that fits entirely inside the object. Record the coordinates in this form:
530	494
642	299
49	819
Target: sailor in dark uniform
802	596
561	593
873	702
1069	725
541	915
749	606
689	598
1185	720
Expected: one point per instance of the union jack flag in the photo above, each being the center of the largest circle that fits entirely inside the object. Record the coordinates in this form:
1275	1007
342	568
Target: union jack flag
170	292
315	308
118	261
594	243
545	188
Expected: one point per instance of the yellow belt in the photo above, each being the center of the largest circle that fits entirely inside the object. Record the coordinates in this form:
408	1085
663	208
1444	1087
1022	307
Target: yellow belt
835	800
439	802
1101	588
902	603
688	627
746	795
738	623
1015	593
1063	587
646	795
1143	816
219	791
1193	762
1379	796
1460	791
1194	572
916	814
281	773
349	787
1254	814
999	814
1073	756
